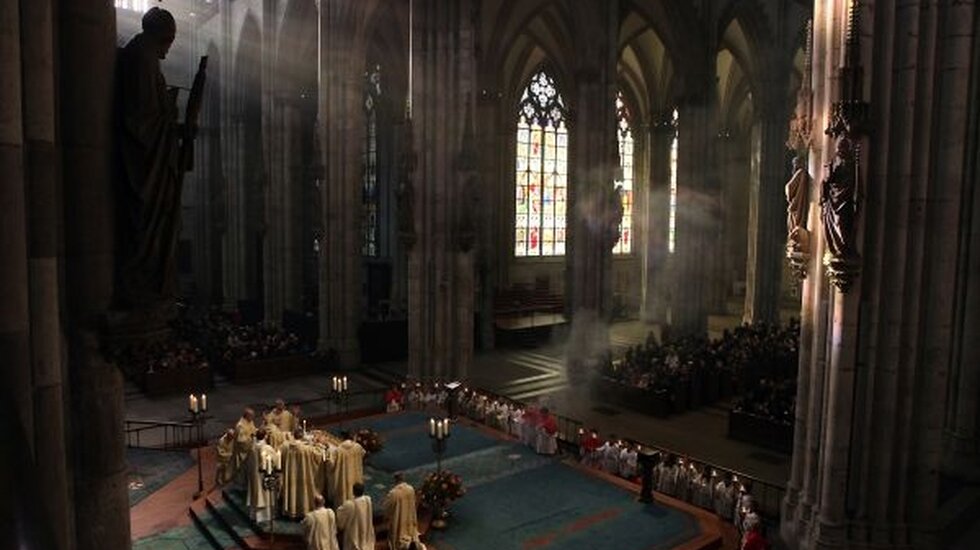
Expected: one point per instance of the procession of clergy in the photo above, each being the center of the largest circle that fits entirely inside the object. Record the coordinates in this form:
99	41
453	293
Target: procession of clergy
317	468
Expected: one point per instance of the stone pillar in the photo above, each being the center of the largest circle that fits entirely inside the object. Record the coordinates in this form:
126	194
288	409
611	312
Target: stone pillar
275	212
594	162
44	208
342	120
440	264
876	356
294	173
660	136
87	45
767	211
15	342
694	259
961	456
492	256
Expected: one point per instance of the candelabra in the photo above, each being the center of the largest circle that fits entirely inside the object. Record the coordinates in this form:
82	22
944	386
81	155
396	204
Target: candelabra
197	406
341	397
439	433
272	483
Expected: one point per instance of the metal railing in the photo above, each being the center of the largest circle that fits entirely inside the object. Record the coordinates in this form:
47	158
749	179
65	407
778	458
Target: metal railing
161	434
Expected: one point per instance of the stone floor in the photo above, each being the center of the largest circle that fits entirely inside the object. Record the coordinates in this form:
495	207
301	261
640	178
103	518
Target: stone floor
524	374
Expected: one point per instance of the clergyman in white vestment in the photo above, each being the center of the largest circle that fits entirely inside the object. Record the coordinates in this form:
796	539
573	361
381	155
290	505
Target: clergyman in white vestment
402	516
355	520
320	527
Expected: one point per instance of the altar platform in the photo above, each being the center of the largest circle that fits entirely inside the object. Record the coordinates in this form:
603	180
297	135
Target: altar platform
515	499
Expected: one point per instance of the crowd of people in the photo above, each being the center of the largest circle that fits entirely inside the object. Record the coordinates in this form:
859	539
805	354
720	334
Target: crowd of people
228	339
773	399
675	476
166	355
684	368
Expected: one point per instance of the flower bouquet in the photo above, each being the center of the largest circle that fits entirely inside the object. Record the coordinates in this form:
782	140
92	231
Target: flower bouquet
437	491
369	439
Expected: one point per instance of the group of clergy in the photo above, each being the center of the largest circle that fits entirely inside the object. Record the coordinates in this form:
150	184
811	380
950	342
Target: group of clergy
248	451
417	396
534	426
615	456
354	521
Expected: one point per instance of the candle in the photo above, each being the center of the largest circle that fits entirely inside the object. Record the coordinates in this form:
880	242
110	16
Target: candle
344	388
204	402
334	380
278	461
432	427
446	429
194	408
304	426
439	429
190	402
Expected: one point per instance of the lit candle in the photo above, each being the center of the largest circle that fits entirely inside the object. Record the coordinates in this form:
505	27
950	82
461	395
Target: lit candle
204	402
432	427
335	383
446	428
278	461
440	426
304	426
344	388
194	404
190	402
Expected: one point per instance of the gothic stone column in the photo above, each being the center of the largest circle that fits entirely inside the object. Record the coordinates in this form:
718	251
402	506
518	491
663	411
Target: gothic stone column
440	269
341	118
87	45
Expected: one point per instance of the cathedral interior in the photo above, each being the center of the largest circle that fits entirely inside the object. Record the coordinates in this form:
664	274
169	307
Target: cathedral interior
492	191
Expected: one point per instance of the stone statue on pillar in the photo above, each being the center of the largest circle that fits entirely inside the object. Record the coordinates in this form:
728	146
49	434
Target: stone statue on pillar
839	206
797	211
613	216
153	152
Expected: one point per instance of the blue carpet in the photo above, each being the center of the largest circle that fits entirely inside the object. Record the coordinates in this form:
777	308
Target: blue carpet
407	445
555	506
517	499
150	470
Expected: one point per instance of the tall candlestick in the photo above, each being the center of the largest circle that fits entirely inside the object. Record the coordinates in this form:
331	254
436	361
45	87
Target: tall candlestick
190	402
204	402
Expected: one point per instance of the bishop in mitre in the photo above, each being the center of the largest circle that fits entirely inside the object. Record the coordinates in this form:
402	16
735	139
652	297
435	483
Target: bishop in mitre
402	516
346	463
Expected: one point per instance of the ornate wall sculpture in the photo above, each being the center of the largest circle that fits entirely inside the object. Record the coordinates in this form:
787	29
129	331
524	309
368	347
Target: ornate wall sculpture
841	190
798	186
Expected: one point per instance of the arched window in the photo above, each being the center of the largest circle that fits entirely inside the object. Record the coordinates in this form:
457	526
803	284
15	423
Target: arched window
369	162
134	5
625	183
672	218
542	170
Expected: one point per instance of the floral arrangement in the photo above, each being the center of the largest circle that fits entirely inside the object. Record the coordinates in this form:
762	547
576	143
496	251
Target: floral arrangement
369	439
438	489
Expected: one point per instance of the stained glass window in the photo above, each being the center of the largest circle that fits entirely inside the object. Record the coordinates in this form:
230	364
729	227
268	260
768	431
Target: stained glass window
134	5
542	170
672	219
369	162
625	184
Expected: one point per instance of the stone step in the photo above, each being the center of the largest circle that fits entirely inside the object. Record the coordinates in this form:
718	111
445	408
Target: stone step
210	529
237	527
